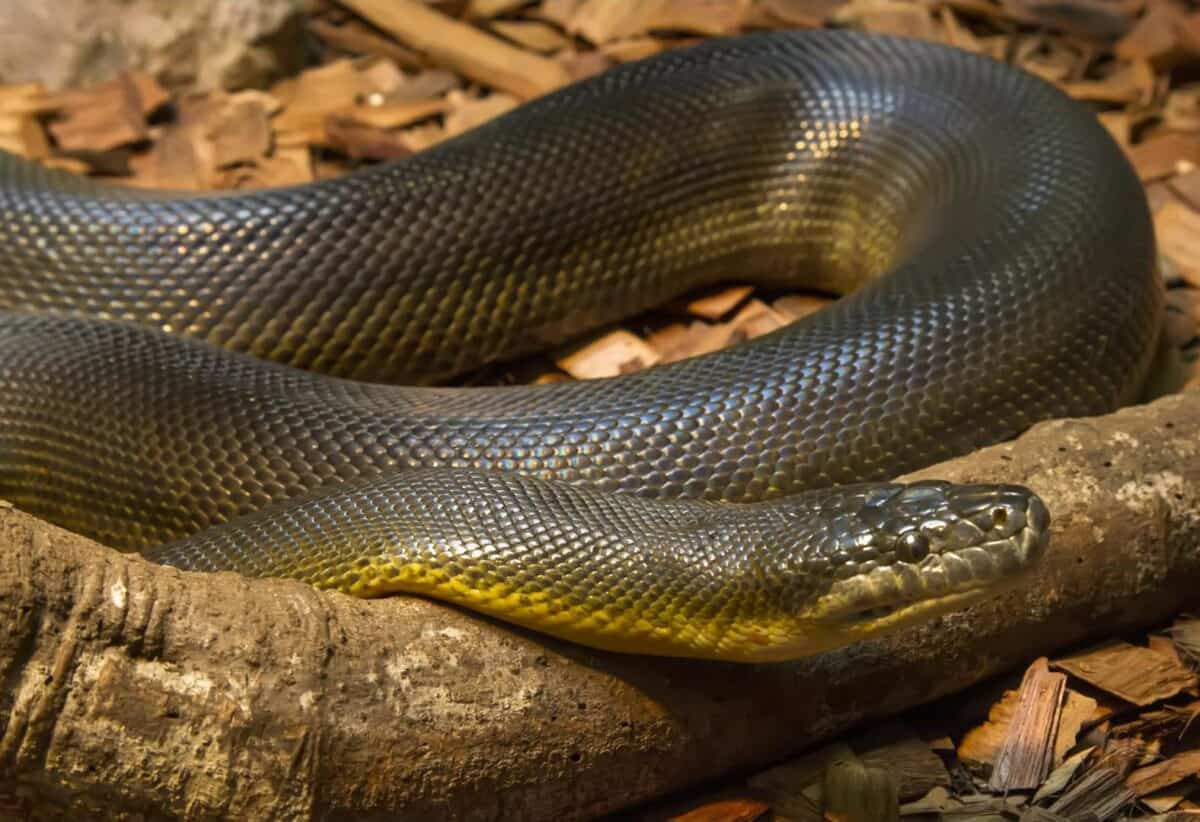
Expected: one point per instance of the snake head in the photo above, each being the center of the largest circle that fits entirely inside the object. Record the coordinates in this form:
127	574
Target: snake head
897	554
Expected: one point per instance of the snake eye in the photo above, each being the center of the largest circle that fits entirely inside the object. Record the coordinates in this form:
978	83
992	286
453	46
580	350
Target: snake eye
912	547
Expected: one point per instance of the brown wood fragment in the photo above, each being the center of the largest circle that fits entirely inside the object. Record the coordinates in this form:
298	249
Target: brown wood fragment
1162	156
533	35
424	86
741	809
100	119
315	95
667	338
802	776
1062	775
463	47
181	159
1181	111
1178	230
1101	791
795	306
581	64
22	134
717	304
240	132
285	167
981	745
1185	632
1161	774
891	17
468	112
486	9
755	319
1187	187
600	21
355	38
856	792
700	338
710	18
1027	753
26	98
805	14
634	48
895	748
1170	797
1135	674
396	115
1159	37
618	352
360	141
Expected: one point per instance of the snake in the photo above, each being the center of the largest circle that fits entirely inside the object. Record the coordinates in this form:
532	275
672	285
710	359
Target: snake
269	382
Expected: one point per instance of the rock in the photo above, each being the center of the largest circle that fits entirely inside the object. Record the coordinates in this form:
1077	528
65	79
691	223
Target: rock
231	44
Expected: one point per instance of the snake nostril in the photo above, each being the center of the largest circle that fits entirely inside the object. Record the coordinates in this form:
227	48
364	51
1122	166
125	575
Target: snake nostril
999	517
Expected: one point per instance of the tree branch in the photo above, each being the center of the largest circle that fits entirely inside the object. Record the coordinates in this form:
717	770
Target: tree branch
135	689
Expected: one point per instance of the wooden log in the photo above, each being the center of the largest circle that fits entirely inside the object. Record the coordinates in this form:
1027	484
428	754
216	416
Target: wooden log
129	690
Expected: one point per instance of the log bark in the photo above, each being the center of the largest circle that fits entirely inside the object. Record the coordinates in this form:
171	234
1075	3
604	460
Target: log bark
144	691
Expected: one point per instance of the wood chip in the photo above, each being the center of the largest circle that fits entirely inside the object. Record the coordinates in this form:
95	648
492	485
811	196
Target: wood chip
755	319
1178	230
1027	753
356	38
635	48
1135	674
600	21
1154	777
742	809
240	132
1158	37
181	159
364	142
795	306
317	94
486	9
1181	111
711	18
533	35
1164	800
468	112
615	353
22	134
101	118
1101	791
1165	155
804	14
396	115
715	305
463	47
1062	775
896	748
894	17
981	745
802	775
700	338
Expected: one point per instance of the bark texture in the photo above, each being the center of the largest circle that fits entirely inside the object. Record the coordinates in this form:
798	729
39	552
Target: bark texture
147	692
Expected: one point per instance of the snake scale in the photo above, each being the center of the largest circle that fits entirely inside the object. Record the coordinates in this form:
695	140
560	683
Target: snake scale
245	381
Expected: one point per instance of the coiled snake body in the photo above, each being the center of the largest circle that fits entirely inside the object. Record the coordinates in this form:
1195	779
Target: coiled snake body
997	244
